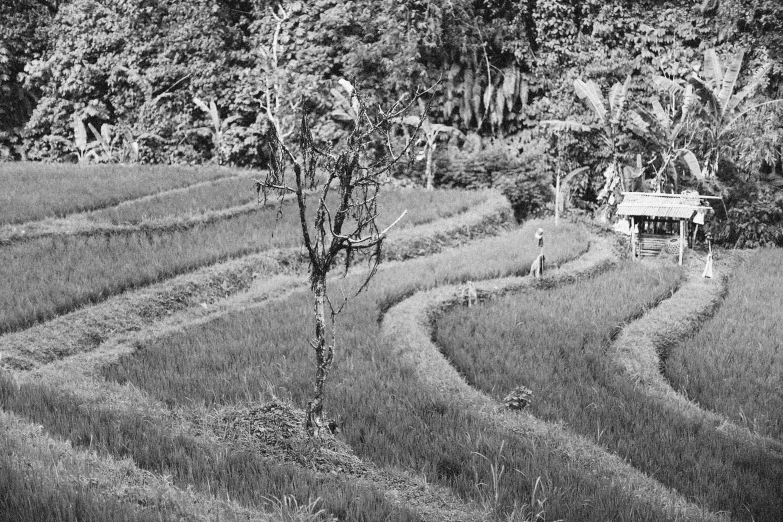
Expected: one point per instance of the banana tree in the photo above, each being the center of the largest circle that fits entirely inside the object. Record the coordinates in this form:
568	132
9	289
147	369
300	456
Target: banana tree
109	137
721	106
609	113
562	190
561	130
218	128
432	133
81	147
663	126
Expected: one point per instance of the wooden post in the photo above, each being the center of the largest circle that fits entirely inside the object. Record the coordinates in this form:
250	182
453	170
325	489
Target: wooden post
682	239
633	239
557	198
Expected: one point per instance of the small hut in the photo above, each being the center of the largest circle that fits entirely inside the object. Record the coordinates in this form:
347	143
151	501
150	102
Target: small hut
664	221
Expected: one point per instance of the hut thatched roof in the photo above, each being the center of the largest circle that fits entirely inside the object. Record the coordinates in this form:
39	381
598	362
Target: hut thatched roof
672	206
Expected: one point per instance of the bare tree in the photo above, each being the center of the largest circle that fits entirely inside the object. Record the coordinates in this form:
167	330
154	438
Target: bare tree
342	187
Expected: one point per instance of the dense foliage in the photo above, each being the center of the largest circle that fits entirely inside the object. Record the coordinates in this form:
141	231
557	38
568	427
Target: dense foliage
496	67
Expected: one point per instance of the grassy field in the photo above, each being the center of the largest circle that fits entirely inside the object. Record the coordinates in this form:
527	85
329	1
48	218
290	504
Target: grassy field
385	416
227	193
202	198
555	343
235	473
38	190
732	367
53	275
25	497
553	340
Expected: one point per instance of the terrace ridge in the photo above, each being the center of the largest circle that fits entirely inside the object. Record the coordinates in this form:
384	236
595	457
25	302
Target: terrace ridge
410	324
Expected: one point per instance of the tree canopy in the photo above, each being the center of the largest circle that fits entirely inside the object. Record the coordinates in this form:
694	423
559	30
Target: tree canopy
496	69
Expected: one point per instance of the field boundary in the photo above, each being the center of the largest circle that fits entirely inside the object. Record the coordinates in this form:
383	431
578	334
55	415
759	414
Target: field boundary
409	324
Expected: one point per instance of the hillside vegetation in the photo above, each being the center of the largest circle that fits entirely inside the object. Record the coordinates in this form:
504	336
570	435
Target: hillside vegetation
183	83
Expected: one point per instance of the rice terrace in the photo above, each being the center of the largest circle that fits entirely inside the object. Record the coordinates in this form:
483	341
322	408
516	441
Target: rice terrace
416	261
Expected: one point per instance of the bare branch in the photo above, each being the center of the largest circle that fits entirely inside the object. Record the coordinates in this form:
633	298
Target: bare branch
386	230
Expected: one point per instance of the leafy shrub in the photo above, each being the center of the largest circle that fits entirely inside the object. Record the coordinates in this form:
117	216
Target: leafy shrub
753	222
522	177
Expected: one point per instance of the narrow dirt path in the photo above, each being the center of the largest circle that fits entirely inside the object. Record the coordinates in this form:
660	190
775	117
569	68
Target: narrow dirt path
410	322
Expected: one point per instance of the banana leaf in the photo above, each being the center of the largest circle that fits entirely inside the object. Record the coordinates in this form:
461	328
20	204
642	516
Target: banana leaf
688	102
750	88
590	94
689	158
706	94
729	81
617	97
713	72
660	114
79	134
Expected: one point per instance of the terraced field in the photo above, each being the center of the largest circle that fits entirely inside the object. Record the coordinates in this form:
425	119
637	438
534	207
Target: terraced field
158	371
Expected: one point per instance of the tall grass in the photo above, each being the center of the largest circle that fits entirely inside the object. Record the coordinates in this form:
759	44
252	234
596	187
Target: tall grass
734	363
49	276
223	193
386	416
227	193
241	475
556	343
38	190
26	496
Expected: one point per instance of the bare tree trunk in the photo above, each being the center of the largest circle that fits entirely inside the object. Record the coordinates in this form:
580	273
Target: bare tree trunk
324	354
428	169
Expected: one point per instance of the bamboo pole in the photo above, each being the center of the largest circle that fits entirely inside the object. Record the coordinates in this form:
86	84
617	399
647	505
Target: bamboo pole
633	238
682	239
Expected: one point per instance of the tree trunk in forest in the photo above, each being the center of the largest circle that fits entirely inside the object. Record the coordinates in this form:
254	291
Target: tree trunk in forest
324	354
